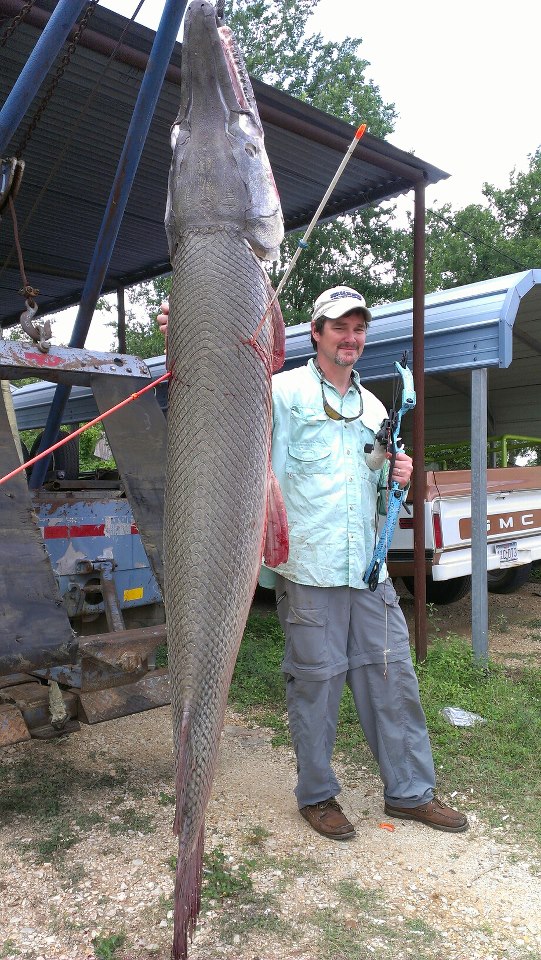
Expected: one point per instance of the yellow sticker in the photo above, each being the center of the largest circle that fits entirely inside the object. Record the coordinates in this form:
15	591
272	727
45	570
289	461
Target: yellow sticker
135	594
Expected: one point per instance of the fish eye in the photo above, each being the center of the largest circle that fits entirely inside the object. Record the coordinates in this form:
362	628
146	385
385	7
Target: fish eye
251	149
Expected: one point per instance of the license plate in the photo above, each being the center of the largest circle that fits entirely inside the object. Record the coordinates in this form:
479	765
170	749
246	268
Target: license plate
507	552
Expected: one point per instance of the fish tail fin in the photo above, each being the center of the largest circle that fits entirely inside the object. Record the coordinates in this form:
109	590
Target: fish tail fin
187	896
190	859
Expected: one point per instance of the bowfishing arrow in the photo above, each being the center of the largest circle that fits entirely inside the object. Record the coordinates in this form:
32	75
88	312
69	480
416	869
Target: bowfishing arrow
396	492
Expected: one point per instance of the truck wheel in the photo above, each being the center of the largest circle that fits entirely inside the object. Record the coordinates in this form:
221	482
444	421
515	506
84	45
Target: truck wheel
442	591
507	581
66	458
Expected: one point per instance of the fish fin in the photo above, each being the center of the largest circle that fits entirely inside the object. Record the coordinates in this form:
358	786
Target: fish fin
274	310
276	546
187	895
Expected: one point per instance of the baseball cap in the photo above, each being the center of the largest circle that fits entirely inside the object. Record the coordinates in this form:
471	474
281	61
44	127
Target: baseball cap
337	301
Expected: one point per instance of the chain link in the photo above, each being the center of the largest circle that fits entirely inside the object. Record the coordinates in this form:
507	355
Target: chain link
58	75
16	21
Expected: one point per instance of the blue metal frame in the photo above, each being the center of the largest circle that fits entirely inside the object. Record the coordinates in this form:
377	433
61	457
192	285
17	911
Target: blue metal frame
162	49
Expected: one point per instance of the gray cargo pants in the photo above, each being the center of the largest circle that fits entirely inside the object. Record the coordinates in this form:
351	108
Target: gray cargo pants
336	635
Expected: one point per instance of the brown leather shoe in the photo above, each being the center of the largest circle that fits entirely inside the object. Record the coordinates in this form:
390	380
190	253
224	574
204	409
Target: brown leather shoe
434	813
327	818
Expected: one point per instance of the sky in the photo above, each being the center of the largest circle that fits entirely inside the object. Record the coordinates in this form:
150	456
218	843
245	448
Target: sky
464	78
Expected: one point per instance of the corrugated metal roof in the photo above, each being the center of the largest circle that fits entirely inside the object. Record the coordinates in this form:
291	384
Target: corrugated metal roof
497	322
75	150
494	323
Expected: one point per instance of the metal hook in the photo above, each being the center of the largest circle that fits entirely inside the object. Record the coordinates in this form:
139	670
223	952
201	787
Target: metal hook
40	334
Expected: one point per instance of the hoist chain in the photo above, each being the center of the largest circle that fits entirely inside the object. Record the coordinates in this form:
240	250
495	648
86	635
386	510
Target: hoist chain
40	334
58	75
16	21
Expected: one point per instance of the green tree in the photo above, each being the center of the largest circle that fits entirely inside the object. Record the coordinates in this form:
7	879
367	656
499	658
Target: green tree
143	338
280	51
479	241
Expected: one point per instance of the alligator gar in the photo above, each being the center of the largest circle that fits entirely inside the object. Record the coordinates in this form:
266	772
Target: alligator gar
224	340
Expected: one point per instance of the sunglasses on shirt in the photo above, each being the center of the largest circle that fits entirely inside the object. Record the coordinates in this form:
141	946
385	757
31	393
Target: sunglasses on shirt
330	411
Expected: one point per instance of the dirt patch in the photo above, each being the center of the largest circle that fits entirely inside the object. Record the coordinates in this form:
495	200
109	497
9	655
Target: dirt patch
514	622
101	885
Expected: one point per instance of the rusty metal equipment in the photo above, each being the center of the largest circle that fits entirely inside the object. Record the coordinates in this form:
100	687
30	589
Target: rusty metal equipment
52	677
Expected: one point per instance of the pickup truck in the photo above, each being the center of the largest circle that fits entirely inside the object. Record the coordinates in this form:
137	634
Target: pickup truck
85	519
513	532
514	525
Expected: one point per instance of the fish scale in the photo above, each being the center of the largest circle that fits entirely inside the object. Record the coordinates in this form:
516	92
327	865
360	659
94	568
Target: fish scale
225	338
219	424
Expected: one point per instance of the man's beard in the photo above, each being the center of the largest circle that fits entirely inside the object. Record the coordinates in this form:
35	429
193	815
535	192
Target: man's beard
345	363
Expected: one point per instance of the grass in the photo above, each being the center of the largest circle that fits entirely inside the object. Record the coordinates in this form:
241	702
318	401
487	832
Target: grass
105	948
166	799
228	885
256	836
363	925
222	877
257	914
37	786
257	680
230	882
494	767
220	880
59	839
8	949
57	797
130	821
496	763
74	874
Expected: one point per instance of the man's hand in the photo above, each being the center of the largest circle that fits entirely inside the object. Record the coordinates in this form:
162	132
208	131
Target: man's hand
163	319
403	468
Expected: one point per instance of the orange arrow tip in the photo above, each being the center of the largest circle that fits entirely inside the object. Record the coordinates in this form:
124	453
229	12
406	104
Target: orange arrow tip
360	131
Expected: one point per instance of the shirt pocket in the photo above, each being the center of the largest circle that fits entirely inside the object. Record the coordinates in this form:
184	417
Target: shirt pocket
309	448
308	458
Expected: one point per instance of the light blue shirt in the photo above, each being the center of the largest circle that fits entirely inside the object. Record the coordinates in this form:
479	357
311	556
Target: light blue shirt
330	494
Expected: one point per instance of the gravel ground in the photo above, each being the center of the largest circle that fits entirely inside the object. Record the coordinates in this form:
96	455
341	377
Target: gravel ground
105	873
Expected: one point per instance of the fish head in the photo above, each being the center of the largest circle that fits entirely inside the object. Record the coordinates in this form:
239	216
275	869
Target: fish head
220	176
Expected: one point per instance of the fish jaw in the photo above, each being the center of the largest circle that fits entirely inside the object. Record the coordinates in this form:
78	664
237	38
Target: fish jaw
220	175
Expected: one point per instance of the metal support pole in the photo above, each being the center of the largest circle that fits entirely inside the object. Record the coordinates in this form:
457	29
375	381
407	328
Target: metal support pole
419	562
162	49
479	589
121	319
37	67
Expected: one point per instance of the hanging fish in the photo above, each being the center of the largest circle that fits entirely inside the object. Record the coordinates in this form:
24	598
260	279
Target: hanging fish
225	338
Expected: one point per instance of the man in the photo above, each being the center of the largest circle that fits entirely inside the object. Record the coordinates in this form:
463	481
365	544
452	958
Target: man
336	629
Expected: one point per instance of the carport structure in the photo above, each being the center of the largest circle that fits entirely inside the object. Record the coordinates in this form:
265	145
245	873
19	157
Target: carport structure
91	203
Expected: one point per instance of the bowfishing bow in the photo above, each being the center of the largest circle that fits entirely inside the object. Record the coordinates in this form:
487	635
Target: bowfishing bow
391	430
